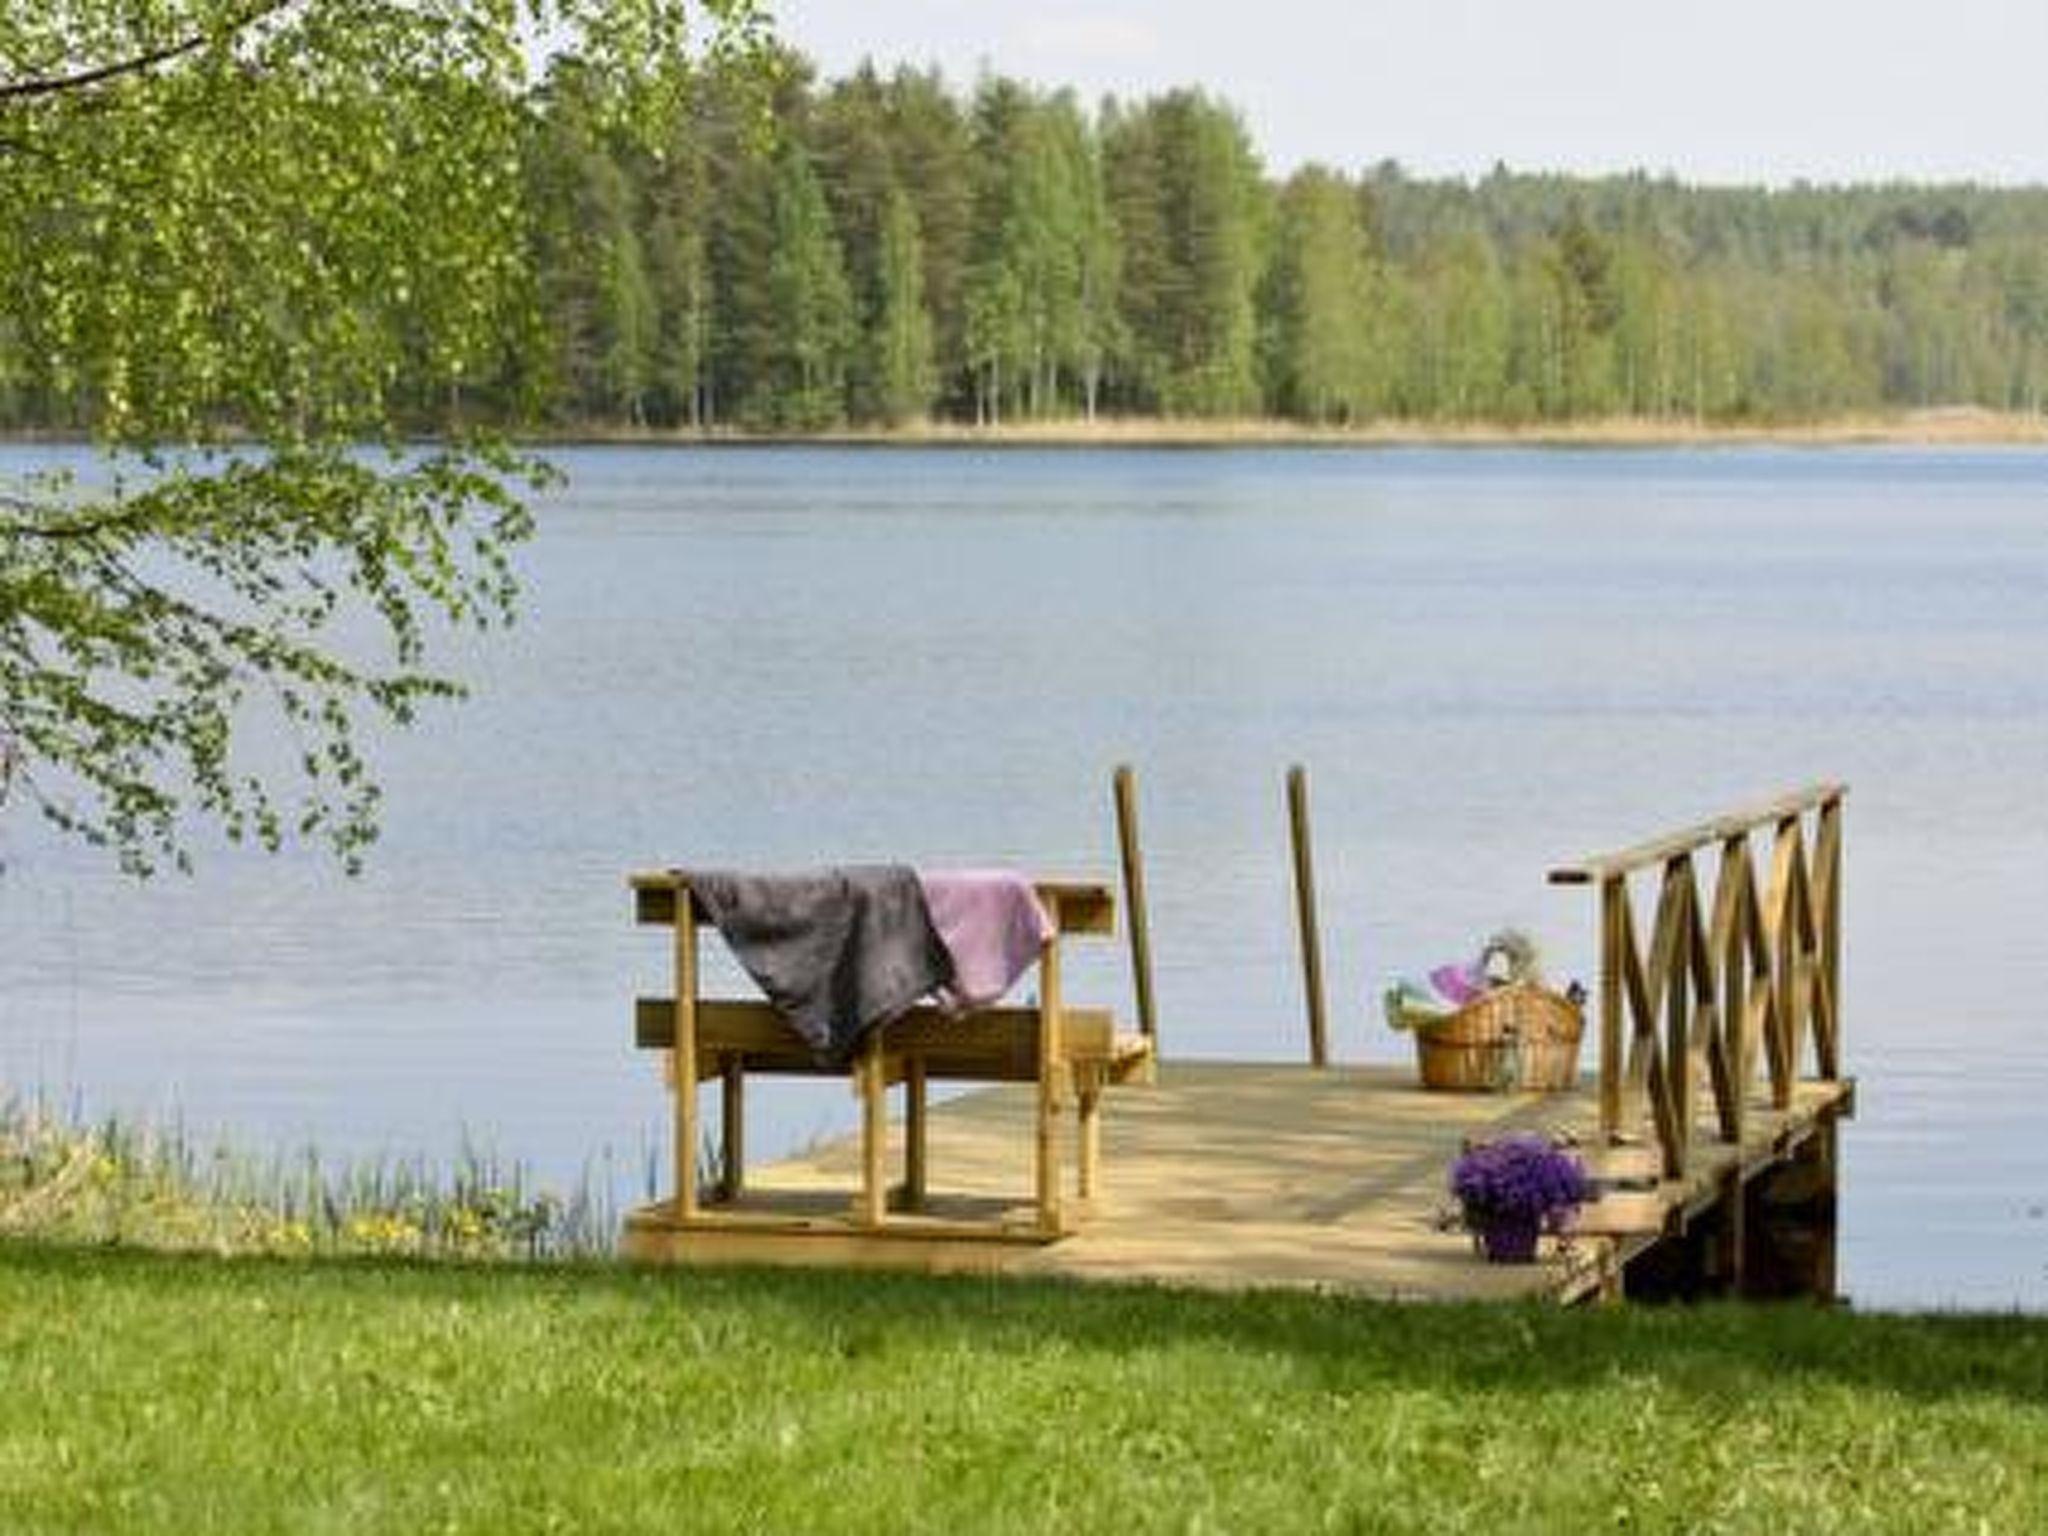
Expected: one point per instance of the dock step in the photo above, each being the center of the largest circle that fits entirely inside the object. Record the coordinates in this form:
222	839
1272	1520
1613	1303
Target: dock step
1623	1213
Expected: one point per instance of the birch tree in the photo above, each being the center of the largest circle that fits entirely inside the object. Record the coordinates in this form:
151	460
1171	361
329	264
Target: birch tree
251	245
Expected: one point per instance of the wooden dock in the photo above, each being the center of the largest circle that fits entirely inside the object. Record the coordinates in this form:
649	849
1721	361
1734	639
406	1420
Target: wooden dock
1239	1175
1708	1117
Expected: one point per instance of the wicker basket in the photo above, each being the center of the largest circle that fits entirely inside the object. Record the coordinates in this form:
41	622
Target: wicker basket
1520	1037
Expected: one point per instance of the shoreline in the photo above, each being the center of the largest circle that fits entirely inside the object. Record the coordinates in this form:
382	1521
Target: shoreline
1943	427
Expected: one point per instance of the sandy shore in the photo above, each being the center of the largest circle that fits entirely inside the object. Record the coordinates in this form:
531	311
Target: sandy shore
1949	427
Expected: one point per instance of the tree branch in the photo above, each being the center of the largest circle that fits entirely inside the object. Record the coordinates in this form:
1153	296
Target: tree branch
29	524
100	74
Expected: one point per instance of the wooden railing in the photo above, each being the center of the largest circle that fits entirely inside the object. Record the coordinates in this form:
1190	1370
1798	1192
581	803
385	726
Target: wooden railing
1752	973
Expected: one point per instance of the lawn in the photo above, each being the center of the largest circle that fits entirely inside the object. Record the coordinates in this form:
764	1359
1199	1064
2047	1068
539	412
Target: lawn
165	1393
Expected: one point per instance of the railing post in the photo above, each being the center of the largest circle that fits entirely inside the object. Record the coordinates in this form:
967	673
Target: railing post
1675	908
1733	894
1781	924
1613	938
1828	850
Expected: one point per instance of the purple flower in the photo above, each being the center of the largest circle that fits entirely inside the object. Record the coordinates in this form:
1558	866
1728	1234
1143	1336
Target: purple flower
1519	1177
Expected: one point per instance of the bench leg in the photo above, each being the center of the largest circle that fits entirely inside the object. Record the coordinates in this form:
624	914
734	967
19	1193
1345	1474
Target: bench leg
1049	1214
914	1129
1052	1067
683	1061
872	1201
1088	1090
733	1123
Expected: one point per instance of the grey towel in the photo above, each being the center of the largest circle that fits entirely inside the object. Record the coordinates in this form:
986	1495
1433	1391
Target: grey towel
838	951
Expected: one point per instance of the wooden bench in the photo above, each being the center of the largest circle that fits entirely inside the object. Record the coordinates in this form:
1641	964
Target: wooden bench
1066	1051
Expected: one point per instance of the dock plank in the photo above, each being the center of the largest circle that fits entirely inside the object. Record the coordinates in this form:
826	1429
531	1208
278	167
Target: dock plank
1238	1175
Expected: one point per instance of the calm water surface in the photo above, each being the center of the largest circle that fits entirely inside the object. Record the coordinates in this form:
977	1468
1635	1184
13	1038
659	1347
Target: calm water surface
1491	662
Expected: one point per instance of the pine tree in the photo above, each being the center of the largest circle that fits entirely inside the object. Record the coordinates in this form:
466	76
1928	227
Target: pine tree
903	330
931	154
998	327
850	135
675	194
1188	198
1582	304
678	272
626	320
1098	333
1320	303
811	309
1134	192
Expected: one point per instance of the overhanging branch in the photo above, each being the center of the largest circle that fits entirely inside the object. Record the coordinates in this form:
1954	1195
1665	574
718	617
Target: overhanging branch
141	63
30	521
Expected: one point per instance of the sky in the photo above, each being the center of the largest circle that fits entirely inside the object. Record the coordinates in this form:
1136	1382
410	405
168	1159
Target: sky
1769	91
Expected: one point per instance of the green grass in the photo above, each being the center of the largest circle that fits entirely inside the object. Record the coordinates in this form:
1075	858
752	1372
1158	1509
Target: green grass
184	1393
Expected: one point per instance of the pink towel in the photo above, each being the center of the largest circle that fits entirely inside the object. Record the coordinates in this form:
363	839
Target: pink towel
991	924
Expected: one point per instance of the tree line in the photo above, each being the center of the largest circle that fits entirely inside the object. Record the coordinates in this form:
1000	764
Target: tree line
884	249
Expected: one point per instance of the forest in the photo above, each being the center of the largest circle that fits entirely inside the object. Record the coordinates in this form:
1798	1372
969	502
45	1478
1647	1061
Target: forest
887	249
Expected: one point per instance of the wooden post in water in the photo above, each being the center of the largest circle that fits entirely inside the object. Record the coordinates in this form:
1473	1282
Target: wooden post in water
1134	900
1305	913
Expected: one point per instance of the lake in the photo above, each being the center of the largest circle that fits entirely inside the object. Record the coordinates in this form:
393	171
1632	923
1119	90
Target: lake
1491	661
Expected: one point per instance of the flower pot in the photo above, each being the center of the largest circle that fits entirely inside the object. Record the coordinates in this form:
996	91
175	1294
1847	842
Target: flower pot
1510	1239
1511	1189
